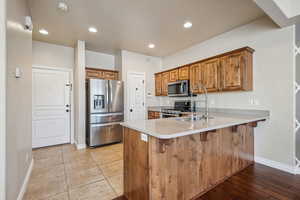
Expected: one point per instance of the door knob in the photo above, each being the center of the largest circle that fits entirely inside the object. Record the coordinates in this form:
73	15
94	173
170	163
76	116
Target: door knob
67	106
67	110
130	110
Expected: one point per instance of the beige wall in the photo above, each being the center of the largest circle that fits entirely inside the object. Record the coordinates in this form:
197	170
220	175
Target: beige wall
273	82
2	96
99	60
51	55
18	135
135	62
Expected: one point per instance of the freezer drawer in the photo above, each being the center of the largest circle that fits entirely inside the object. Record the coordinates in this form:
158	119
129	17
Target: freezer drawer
105	118
101	134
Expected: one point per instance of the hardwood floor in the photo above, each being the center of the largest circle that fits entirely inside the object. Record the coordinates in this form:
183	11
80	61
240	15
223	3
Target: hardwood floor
257	182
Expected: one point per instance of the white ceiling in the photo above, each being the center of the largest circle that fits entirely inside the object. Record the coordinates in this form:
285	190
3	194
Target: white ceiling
133	24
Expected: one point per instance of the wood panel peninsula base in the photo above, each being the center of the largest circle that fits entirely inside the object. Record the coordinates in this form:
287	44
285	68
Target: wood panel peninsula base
186	167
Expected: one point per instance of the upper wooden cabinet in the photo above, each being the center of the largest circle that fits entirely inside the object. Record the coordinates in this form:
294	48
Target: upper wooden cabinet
184	73
236	71
210	75
195	77
164	83
173	76
101	74
158	84
232	71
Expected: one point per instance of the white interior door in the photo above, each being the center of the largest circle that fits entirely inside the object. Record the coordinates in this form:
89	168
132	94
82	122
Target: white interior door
51	107
136	95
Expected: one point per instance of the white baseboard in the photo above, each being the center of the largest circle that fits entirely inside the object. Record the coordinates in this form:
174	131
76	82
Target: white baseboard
25	182
80	146
276	165
297	171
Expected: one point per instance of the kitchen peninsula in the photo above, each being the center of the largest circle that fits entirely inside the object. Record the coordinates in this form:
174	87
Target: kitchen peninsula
181	159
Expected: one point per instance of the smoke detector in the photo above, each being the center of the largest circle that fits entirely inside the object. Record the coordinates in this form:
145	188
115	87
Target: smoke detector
63	6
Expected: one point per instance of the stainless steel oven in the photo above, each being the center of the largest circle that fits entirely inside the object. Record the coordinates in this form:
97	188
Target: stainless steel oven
178	89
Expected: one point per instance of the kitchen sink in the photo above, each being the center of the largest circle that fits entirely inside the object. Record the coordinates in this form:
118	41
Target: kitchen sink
187	119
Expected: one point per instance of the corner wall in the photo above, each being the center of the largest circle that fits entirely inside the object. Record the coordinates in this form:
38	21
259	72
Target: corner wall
18	98
2	97
273	83
79	94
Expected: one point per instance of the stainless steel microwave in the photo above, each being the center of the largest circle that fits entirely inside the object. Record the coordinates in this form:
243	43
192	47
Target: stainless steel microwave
178	89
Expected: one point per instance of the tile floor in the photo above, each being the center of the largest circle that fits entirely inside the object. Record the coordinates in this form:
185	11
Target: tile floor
64	173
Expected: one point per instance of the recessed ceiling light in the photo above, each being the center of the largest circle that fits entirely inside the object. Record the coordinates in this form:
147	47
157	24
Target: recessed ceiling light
93	30
63	6
187	25
151	46
43	31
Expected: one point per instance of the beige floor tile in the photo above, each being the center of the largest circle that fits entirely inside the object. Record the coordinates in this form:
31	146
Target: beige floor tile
104	158
39	173
84	177
95	191
79	165
117	147
45	188
76	156
112	169
69	148
117	183
60	168
49	161
47	152
62	196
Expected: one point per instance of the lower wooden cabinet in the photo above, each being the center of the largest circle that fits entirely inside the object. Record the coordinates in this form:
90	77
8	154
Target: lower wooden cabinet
153	115
102	74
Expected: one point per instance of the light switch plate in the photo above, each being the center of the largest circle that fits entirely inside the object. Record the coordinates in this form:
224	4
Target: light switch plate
144	137
18	72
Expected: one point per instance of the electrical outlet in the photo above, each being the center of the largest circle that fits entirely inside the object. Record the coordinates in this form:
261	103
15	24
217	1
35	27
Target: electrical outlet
144	137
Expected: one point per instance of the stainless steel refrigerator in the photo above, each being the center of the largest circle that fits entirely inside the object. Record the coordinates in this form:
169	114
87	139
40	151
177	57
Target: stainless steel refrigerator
105	108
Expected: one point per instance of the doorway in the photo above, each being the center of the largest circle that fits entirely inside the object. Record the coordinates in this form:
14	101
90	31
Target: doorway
136	95
51	106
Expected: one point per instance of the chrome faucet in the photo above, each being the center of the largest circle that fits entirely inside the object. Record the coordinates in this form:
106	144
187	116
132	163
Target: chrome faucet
200	85
193	106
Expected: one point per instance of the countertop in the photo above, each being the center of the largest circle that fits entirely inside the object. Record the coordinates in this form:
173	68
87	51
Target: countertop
168	128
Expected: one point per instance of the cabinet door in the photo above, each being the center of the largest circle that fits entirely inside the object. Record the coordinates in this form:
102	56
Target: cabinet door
165	81
195	77
210	71
109	75
158	84
184	73
232	70
173	77
93	73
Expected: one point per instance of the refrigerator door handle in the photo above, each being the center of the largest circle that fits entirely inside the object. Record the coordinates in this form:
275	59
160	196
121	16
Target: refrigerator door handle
107	124
107	94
